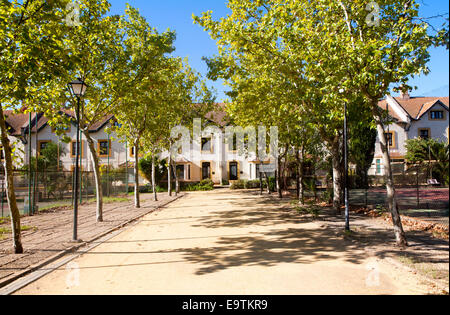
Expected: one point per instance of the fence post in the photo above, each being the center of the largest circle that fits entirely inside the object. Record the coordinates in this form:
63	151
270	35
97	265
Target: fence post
417	188
3	196
35	201
366	189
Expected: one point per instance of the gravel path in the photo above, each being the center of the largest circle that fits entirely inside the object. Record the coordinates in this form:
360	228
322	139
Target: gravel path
51	232
226	242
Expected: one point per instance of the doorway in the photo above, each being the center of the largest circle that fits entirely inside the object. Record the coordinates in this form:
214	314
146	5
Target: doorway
234	170
206	170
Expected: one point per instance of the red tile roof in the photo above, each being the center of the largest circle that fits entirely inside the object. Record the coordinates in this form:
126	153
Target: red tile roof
416	107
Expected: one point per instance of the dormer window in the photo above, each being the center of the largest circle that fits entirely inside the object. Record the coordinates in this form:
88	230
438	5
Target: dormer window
437	115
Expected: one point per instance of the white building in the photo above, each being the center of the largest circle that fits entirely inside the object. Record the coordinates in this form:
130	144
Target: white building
18	127
414	117
211	157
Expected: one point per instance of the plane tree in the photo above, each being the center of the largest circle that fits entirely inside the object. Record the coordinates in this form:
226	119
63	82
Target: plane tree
365	51
31	55
146	72
271	80
332	52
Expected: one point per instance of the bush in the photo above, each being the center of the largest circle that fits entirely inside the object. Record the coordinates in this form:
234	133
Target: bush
252	184
145	168
245	184
239	184
272	184
327	196
204	185
207	182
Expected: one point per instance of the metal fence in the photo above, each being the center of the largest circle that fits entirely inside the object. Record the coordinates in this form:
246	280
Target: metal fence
47	189
417	194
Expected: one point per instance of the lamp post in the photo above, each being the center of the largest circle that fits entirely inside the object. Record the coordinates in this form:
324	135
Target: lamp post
347	211
30	211
77	88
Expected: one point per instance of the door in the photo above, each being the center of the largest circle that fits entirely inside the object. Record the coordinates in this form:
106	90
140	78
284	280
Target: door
234	171
206	170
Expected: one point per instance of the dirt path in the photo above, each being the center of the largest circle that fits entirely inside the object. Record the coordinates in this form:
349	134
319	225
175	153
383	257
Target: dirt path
51	232
224	242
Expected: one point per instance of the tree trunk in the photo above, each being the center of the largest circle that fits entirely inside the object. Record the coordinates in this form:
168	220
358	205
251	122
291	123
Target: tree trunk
169	175
261	189
391	197
97	176
36	168
10	193
177	182
300	185
278	179
337	175
137	200
267	182
155	194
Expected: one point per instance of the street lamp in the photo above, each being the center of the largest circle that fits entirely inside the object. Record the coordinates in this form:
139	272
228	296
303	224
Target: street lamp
77	88
347	211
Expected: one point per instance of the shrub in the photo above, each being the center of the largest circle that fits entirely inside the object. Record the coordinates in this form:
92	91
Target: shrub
145	168
247	184
207	182
239	184
272	183
252	184
327	196
204	185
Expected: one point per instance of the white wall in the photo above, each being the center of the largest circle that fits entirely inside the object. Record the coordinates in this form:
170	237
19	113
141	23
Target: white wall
438	128
118	150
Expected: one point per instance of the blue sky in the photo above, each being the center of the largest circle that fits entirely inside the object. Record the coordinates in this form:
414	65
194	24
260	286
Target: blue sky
194	43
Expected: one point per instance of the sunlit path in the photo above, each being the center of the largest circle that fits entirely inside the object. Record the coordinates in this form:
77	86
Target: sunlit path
224	242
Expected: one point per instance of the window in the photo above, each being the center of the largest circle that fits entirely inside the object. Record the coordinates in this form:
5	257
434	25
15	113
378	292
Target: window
424	133
66	129
180	171
378	166
42	145
390	139
2	154
233	146
206	144
104	147
132	152
188	177
73	148
437	115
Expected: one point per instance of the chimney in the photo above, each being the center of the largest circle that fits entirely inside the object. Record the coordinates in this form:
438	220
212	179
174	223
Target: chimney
404	93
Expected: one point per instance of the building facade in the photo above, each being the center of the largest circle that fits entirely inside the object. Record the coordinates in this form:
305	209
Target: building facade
209	157
413	117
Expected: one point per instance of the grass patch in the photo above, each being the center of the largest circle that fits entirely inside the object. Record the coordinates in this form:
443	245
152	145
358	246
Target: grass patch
107	200
349	233
4	220
54	207
6	231
426	269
